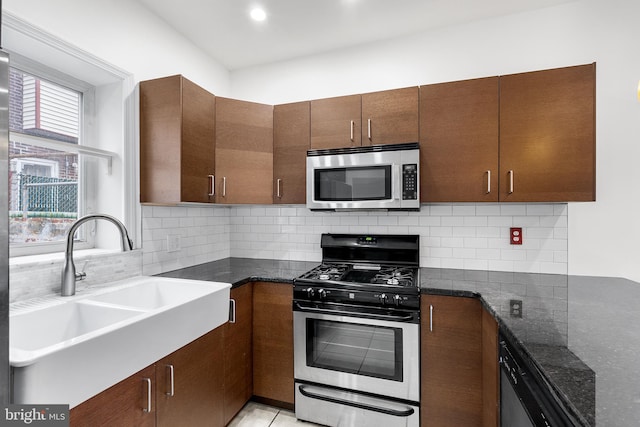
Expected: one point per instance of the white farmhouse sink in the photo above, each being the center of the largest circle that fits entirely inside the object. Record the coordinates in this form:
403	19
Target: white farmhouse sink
75	347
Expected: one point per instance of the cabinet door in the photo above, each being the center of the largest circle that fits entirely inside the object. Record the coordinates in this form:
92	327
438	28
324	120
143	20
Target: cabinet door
490	372
122	405
335	122
291	140
273	341
451	370
244	152
390	116
547	135
238	357
196	395
177	141
197	157
459	141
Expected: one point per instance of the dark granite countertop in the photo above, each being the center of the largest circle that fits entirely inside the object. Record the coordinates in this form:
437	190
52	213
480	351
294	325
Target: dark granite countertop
580	331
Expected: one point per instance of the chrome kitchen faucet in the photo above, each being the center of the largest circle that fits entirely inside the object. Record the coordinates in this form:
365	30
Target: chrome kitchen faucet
69	275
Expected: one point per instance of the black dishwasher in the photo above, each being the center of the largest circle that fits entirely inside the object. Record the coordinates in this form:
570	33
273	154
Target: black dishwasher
525	401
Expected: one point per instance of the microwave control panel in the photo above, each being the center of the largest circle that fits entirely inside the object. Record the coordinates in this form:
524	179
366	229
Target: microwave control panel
410	182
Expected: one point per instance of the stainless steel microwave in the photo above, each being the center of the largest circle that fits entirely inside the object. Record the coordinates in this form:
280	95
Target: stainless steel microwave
385	177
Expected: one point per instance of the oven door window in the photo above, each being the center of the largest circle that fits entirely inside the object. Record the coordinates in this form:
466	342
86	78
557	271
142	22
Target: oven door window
353	183
369	350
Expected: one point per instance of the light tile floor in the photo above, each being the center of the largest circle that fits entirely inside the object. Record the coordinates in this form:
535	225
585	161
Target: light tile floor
259	415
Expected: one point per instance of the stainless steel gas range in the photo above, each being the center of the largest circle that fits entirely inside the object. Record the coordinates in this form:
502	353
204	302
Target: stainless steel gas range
357	333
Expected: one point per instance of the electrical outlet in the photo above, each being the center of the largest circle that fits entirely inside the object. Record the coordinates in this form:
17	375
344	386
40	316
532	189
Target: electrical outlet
515	308
515	235
173	243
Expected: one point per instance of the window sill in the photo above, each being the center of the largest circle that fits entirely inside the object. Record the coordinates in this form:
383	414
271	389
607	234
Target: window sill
57	257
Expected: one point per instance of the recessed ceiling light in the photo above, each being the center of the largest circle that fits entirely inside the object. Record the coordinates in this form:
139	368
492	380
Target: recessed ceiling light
258	14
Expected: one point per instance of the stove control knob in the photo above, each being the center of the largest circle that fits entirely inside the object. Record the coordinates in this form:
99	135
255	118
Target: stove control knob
322	294
383	298
397	300
310	293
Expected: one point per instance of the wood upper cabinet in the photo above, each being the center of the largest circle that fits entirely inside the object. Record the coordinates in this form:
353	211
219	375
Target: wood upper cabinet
459	141
273	342
177	141
390	116
385	117
335	122
123	404
238	356
190	386
244	152
547	135
291	140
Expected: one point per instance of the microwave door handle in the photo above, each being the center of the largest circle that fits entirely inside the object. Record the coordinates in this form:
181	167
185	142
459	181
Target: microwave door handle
397	190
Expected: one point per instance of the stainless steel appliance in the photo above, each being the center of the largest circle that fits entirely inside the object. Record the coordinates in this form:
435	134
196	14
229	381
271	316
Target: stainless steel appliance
385	177
525	400
357	333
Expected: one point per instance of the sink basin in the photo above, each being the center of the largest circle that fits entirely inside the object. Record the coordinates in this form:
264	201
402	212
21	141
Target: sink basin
150	295
64	323
72	348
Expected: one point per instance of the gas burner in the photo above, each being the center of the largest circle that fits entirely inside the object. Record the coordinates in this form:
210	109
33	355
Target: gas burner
395	276
326	271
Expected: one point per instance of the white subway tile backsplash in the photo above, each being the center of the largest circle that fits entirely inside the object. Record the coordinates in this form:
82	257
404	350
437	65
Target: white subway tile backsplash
510	209
470	236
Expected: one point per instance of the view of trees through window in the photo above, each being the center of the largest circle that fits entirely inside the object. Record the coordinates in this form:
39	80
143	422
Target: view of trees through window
43	180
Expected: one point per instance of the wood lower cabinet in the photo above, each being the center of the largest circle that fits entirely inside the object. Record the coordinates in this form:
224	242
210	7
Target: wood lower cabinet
490	372
547	135
190	390
273	342
177	141
244	152
238	352
195	398
459	368
459	139
122	405
291	140
390	116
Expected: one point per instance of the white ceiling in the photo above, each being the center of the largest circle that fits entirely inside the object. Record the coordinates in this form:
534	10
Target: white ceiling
296	28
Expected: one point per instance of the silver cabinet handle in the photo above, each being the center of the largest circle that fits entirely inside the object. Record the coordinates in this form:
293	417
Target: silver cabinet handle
278	181
353	124
212	185
369	129
171	391
510	181
232	311
431	318
224	186
148	408
488	181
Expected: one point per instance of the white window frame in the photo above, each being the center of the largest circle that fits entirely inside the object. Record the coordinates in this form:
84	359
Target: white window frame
51	57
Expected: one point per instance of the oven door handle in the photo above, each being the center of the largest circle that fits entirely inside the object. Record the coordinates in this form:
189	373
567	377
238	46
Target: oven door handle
405	318
389	411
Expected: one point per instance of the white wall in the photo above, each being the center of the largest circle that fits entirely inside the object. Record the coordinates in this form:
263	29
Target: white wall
602	235
125	34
